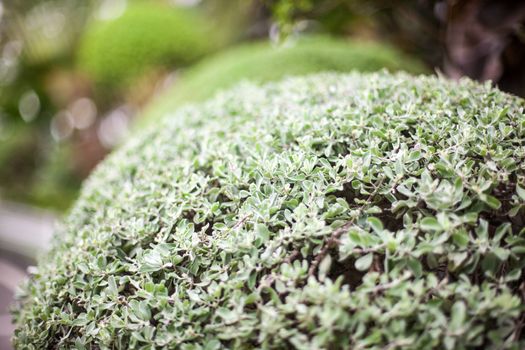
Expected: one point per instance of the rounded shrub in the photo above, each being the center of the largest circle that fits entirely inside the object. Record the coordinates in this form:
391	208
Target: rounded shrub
264	62
322	212
146	36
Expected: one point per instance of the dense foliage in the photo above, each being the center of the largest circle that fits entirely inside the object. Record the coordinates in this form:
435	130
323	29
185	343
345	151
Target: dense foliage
264	62
146	36
370	211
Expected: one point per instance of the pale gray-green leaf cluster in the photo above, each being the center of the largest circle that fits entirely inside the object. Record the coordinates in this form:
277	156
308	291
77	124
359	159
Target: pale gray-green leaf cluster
351	211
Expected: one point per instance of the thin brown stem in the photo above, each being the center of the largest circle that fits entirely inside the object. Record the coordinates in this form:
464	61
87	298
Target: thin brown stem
331	242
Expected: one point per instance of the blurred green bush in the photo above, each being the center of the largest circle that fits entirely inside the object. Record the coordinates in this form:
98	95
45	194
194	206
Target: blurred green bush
263	62
57	182
36	171
96	59
18	157
147	35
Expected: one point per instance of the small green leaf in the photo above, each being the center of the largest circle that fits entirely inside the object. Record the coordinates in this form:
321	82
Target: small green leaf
521	192
515	210
458	315
430	224
491	201
262	232
373	210
388	172
375	224
324	267
140	309
416	267
461	238
364	262
414	155
503	112
513	275
457	259
112	286
502	253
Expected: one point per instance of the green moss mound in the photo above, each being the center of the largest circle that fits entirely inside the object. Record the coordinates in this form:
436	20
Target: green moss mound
330	211
145	36
264	62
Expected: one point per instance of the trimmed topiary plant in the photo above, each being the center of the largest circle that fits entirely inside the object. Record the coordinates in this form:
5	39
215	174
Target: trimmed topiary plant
264	62
331	211
146	36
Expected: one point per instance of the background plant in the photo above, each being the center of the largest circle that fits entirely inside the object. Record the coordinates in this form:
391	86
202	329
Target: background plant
266	61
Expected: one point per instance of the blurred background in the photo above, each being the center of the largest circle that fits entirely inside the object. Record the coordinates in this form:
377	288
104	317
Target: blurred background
78	77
